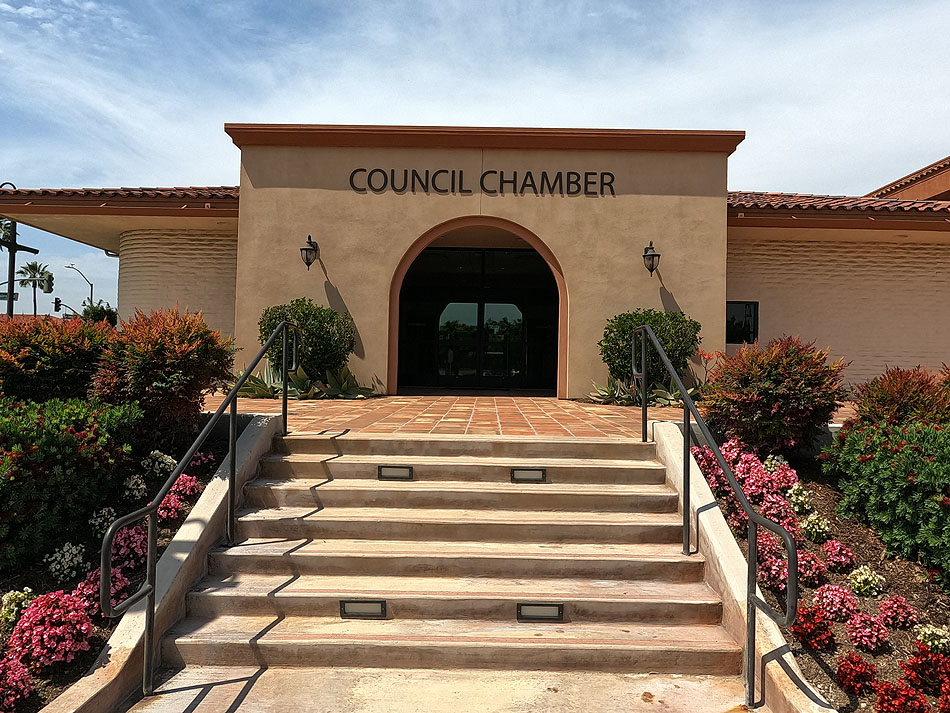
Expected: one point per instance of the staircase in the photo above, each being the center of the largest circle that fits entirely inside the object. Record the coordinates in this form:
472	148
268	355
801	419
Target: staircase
454	555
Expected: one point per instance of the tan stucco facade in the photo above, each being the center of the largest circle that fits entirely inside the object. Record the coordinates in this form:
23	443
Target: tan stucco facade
675	199
875	297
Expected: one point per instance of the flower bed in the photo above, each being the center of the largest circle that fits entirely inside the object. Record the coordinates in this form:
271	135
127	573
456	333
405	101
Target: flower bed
863	618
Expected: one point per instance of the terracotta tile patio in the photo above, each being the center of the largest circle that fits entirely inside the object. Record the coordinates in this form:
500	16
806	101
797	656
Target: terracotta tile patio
482	415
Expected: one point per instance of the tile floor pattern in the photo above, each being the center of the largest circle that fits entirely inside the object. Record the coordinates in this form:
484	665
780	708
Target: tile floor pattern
474	415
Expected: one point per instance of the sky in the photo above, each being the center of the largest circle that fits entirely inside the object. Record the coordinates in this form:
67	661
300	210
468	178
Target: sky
834	97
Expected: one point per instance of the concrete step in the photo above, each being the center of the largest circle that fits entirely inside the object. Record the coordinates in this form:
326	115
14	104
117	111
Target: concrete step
467	467
291	555
213	689
484	598
459	524
465	446
312	492
393	643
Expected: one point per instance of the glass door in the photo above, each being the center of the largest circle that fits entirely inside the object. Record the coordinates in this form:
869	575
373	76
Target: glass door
458	344
502	328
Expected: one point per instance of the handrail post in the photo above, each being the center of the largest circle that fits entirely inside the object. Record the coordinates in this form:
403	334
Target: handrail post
283	372
643	385
751	585
232	468
148	683
686	458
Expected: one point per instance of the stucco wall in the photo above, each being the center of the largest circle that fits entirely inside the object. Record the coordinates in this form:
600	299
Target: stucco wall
675	199
194	269
875	297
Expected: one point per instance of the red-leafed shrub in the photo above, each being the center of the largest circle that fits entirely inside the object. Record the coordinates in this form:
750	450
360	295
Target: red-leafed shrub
774	398
55	627
838	555
855	674
171	508
811	570
903	395
867	632
894	612
943	703
166	361
15	683
899	698
88	589
130	547
186	485
838	602
42	359
926	670
813	628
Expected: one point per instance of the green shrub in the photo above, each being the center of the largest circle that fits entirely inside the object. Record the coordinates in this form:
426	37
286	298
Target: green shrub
100	312
328	338
903	395
60	461
166	361
897	480
776	398
677	333
44	359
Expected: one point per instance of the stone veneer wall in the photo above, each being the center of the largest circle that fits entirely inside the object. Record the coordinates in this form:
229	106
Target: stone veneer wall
194	269
876	304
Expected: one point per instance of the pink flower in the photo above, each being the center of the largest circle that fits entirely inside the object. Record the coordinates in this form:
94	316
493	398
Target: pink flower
838	602
867	632
88	589
895	612
839	556
54	627
186	485
130	547
15	683
171	508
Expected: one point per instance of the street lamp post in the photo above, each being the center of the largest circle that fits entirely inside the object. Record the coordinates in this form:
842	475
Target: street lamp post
10	243
73	267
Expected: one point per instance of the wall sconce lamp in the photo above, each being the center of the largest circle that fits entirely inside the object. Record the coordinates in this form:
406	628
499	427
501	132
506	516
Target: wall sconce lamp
309	253
651	258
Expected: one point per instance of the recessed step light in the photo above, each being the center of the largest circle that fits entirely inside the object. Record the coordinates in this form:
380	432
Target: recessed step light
529	475
394	472
534	611
363	608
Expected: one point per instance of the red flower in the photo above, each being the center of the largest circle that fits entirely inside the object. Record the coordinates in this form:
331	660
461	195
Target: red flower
855	674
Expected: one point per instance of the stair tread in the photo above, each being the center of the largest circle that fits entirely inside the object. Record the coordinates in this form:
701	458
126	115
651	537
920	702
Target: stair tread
264	630
514	462
456	516
465	486
523	589
342	437
284	547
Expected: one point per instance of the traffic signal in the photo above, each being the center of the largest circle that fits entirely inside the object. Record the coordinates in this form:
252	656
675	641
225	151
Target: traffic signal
57	304
46	284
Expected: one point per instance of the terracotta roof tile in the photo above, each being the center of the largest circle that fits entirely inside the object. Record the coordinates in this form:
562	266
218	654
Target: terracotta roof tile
936	167
751	200
187	192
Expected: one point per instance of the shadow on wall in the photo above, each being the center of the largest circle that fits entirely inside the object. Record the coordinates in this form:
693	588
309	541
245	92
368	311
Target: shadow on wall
338	304
666	297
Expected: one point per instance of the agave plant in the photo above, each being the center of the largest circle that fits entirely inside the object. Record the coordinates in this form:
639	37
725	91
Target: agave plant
343	385
301	386
672	396
262	385
616	393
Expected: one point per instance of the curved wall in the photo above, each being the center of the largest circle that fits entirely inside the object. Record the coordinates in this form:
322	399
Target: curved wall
191	268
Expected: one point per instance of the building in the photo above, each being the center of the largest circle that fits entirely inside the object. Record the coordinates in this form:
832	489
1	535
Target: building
491	257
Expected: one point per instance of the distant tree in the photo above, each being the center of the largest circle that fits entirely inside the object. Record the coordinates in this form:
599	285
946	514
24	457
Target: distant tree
31	274
99	312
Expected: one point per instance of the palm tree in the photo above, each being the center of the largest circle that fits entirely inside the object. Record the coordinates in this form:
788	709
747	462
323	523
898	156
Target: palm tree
32	273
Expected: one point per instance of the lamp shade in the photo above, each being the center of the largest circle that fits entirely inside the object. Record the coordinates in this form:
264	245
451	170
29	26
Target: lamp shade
651	258
309	252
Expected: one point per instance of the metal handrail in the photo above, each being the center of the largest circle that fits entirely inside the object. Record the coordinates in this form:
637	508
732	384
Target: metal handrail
753	600
147	590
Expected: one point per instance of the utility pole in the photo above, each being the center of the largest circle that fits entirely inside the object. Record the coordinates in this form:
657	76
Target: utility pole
9	242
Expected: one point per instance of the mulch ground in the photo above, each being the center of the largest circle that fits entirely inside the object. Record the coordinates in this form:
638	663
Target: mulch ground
908	579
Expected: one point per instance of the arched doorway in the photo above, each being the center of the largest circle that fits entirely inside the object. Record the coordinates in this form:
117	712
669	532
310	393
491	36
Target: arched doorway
478	304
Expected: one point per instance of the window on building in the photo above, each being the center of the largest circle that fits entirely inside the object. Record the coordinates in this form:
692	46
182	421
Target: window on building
742	322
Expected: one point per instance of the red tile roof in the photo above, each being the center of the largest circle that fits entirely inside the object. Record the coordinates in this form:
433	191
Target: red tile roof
189	192
751	200
936	167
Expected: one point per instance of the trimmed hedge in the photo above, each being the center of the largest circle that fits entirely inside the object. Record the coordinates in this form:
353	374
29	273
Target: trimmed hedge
59	462
677	333
328	337
904	395
775	398
897	480
43	359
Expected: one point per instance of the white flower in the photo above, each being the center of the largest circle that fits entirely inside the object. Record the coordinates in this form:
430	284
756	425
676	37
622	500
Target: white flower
135	488
101	519
159	464
67	562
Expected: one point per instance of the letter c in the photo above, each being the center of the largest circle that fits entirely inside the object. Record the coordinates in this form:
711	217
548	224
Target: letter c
353	180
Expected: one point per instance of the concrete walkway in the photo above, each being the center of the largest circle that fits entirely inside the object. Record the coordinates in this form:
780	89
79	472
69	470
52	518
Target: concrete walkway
351	690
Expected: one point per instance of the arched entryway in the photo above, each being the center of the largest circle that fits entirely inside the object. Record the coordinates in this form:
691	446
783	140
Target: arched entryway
478	304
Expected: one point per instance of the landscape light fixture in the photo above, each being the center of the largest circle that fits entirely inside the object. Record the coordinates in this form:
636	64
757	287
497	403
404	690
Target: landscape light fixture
651	258
309	253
